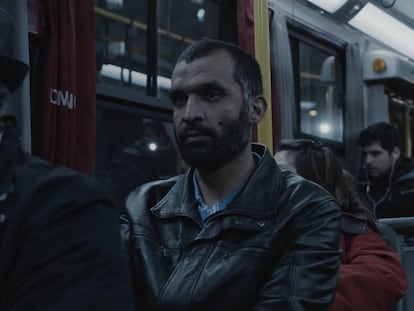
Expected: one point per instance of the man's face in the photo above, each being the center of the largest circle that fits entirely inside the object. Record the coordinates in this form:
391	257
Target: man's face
377	160
210	121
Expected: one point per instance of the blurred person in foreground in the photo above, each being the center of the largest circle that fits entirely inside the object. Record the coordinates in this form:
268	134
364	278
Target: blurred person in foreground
60	247
233	232
371	276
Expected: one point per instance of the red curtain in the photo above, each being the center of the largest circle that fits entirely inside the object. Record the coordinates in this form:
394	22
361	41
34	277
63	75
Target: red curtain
245	27
63	71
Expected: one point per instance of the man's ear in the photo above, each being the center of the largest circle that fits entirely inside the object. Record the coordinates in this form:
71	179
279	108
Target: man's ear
257	109
396	153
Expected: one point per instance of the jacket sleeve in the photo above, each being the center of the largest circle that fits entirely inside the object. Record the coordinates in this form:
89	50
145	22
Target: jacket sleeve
306	276
70	255
371	276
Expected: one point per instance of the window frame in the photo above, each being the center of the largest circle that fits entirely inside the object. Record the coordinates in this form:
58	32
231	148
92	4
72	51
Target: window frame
298	34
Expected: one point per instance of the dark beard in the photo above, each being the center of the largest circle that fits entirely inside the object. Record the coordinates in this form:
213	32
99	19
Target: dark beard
218	151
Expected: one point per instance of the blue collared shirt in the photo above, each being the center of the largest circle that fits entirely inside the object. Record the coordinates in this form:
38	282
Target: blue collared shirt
205	210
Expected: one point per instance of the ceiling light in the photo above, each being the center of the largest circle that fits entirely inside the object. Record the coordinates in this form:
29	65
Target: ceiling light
325	128
313	113
201	15
330	6
114	4
378	24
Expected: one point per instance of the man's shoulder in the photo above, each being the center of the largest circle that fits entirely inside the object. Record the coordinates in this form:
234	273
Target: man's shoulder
302	192
406	171
294	182
36	175
157	188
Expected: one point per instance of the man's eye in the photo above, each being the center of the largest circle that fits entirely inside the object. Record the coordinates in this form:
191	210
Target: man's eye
179	99
212	95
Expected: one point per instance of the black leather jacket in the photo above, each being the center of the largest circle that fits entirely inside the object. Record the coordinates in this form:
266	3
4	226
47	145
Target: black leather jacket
59	243
276	247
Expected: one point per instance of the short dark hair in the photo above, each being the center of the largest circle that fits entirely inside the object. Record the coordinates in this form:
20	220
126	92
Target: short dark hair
384	133
246	69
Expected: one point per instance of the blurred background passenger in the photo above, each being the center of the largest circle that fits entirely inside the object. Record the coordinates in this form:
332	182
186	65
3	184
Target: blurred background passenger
387	179
371	276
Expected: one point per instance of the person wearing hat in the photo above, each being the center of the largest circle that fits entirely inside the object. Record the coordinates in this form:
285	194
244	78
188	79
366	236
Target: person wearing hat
60	247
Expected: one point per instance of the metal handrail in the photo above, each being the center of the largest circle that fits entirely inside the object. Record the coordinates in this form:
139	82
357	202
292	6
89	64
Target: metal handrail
125	20
262	53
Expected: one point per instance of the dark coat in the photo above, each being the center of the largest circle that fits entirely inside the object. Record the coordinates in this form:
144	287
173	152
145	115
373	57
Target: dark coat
59	238
276	247
391	199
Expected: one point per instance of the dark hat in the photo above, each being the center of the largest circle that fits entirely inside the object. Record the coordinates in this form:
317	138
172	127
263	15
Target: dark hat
12	70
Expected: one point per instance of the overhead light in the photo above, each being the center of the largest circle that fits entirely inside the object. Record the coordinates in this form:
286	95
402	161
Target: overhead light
307	105
201	15
376	23
330	6
114	4
137	78
152	146
379	65
325	128
313	113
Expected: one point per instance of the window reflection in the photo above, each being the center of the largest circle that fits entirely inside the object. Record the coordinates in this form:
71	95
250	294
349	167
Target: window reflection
121	40
321	112
132	150
401	111
122	31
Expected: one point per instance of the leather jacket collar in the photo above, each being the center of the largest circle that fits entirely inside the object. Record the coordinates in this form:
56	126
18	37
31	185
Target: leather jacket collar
182	203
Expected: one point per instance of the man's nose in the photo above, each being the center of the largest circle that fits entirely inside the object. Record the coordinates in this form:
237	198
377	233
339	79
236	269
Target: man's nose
193	109
368	159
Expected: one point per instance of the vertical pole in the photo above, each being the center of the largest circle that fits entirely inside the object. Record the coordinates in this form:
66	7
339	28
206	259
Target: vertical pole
262	53
408	137
152	48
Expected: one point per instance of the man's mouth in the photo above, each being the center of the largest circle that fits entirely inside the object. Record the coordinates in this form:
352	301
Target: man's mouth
195	137
371	169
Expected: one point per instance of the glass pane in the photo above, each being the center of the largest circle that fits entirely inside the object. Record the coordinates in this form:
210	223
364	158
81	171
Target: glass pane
131	150
401	112
182	22
321	112
121	37
121	27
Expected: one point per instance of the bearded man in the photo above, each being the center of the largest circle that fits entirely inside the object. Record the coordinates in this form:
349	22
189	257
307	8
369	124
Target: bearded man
233	232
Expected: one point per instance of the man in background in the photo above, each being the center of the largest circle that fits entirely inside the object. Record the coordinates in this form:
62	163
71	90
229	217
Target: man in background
60	247
387	182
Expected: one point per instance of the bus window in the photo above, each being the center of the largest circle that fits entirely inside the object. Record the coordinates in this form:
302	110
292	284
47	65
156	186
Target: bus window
138	42
318	88
132	148
401	111
121	41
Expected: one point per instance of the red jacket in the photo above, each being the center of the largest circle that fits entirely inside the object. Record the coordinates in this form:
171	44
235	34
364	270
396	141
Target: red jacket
371	276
